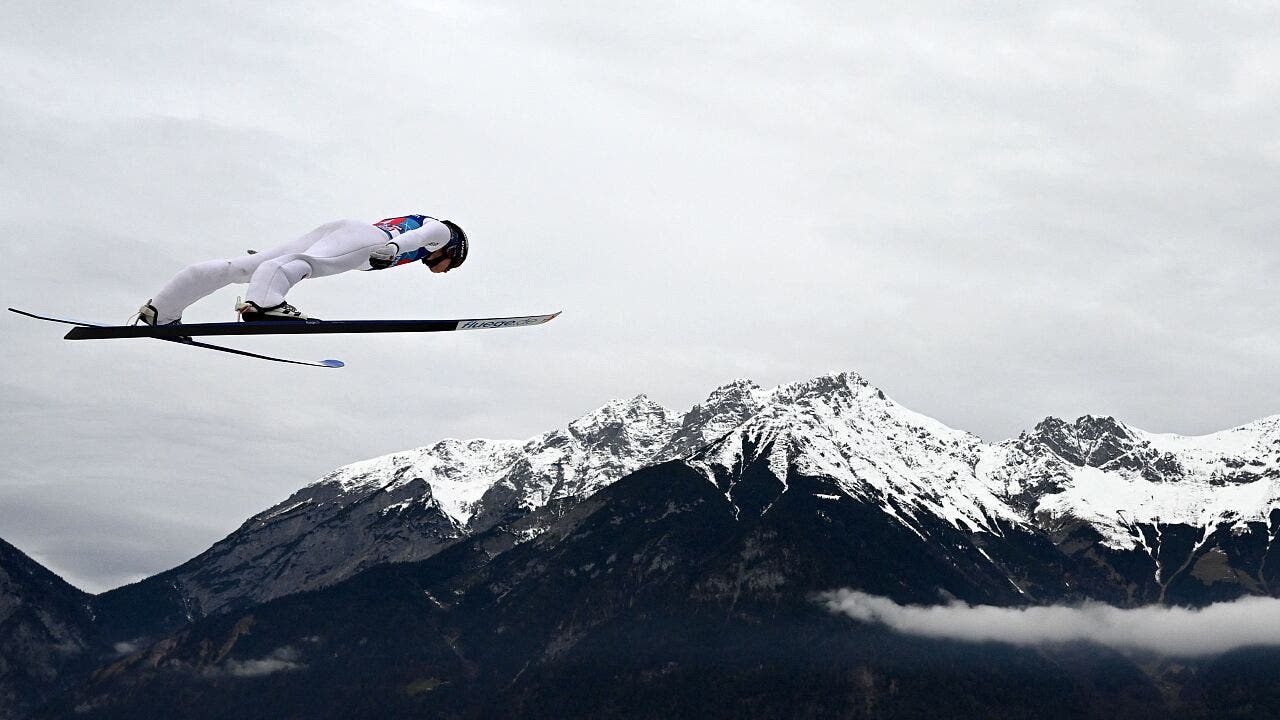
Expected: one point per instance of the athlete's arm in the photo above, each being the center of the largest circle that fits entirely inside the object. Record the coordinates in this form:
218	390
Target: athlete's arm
409	246
429	238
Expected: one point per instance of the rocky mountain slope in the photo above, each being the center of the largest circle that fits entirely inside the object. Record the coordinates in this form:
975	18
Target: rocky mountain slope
739	511
1170	514
664	595
1185	520
400	507
46	633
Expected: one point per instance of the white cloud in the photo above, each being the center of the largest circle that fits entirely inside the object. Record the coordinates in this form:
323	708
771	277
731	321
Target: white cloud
280	660
1171	631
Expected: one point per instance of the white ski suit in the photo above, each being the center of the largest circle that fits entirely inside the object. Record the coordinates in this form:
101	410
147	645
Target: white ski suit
332	248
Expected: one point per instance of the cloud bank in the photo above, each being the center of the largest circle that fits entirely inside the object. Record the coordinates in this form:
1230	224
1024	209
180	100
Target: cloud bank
280	660
1174	631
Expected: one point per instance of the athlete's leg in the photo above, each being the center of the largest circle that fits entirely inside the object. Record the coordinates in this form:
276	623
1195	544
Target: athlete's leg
344	246
273	279
201	279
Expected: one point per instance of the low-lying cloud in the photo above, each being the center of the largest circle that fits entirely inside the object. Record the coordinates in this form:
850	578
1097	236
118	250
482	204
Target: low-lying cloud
1174	631
280	660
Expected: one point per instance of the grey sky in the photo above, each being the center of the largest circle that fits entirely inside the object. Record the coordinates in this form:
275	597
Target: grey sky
995	212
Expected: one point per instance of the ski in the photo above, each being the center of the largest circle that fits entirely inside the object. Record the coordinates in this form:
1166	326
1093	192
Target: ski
192	343
89	331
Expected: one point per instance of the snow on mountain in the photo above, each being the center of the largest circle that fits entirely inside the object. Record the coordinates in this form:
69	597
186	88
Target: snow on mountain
836	425
409	505
491	477
457	473
841	427
1087	510
1125	476
1239	455
576	461
727	407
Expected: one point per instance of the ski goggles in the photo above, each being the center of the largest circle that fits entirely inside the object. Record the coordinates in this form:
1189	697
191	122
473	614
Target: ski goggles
433	263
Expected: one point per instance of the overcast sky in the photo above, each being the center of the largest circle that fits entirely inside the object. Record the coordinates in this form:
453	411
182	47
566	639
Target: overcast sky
994	212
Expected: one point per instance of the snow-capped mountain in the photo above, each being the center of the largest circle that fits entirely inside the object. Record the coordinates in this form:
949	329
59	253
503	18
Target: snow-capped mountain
1116	477
1139	493
841	427
687	585
1187	519
408	505
727	407
1126	485
526	563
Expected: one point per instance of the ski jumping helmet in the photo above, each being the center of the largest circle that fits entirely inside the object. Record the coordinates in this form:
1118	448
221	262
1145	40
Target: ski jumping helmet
456	248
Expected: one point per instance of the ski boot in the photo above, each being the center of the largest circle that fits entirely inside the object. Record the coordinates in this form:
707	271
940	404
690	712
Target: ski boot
250	311
148	315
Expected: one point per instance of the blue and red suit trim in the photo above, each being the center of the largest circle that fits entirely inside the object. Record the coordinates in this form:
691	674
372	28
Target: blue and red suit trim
400	225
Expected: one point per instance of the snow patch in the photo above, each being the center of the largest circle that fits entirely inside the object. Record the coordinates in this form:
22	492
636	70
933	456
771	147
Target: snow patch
1114	501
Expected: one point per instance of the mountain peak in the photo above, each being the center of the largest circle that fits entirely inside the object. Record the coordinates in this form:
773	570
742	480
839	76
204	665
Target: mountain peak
621	406
752	444
839	426
727	407
1092	440
732	390
636	417
1098	425
846	384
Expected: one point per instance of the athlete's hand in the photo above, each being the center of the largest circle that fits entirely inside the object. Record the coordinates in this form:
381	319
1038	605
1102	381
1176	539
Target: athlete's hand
382	258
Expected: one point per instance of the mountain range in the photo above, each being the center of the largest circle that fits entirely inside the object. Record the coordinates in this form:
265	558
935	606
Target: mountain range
645	563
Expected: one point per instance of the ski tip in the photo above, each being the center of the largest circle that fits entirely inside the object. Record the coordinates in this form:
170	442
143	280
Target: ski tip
333	363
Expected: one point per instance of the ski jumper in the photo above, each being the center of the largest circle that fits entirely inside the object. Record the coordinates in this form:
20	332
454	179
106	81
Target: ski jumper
330	249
